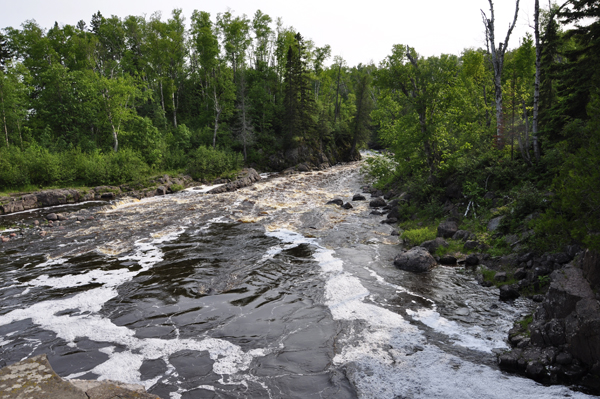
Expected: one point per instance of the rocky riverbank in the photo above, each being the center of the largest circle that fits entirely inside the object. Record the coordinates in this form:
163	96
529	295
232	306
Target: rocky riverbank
162	185
35	378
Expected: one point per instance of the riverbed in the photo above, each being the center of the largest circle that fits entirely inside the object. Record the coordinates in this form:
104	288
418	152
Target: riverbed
265	292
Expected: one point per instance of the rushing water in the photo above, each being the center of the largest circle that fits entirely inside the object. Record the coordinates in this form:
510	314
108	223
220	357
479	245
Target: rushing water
261	293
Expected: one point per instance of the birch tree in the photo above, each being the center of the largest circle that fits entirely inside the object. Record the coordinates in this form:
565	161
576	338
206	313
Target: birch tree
497	58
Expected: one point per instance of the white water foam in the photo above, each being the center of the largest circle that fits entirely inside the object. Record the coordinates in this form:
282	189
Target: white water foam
391	358
83	321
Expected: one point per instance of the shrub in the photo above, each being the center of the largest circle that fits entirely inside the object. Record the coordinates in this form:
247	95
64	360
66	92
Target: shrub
417	236
209	163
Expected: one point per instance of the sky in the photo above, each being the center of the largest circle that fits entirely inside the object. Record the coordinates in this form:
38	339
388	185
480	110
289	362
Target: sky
360	32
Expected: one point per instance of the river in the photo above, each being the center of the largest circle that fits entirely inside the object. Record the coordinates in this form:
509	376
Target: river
265	292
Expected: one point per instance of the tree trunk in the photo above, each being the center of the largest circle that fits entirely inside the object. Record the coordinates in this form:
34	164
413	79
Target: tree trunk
498	59
217	116
4	117
174	111
536	90
337	94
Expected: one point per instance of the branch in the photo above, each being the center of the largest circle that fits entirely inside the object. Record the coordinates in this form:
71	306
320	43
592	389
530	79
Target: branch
511	26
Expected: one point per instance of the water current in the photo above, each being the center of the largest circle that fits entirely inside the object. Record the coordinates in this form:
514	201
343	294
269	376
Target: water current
262	293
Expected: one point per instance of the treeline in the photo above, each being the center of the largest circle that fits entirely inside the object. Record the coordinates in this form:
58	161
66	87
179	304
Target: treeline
463	126
166	93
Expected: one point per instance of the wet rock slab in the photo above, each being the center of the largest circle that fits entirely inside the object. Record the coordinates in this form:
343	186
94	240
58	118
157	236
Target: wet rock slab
34	378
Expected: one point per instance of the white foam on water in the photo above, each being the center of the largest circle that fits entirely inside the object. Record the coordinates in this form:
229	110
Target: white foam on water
52	262
391	358
473	337
201	189
83	320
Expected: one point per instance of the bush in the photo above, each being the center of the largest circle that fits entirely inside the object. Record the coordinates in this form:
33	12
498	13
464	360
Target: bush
417	236
209	163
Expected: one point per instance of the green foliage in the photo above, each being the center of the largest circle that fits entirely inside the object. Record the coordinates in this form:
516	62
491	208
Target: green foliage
381	168
176	187
208	163
417	236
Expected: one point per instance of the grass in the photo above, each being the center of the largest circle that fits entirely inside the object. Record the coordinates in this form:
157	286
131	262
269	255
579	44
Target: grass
417	236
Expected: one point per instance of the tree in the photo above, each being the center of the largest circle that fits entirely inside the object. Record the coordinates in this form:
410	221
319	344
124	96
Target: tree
361	123
497	58
411	110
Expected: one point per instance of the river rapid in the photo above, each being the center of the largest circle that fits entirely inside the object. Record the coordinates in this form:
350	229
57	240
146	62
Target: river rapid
265	292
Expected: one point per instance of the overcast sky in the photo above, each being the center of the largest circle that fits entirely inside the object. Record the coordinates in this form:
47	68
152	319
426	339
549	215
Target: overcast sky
358	31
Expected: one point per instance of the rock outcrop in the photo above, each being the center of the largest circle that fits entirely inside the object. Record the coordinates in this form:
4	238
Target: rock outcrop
562	343
245	178
35	378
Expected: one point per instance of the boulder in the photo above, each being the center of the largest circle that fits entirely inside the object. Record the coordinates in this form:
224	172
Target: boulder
359	197
508	292
51	216
447	229
590	265
302	168
377	213
448	260
472	260
433	245
336	201
494	223
500	276
377	203
160	190
389	221
471	245
347	205
463	235
417	260
376	193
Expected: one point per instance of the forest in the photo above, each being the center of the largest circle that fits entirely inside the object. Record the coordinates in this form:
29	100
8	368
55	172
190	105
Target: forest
118	99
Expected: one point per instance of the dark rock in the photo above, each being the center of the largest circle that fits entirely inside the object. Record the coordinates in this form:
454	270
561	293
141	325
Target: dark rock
389	221
433	245
494	223
395	233
520	274
347	205
245	178
336	201
60	216
508	292
416	260
538	298
302	168
389	195
471	245
51	216
568	287
562	258
462	235
161	190
525	257
509	360
377	203
447	229
448	260
500	276
535	370
472	260
394	213
359	197
564	358
377	213
590	265
376	193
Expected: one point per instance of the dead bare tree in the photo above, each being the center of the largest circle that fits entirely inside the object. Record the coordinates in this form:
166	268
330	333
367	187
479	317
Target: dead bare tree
497	58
